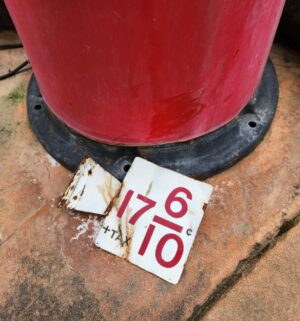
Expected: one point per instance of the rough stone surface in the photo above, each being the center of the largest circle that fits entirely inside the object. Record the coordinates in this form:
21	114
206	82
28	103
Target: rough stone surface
49	267
270	292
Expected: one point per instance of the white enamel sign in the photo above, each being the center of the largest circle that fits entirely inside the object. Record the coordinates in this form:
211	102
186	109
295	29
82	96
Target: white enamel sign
154	220
91	190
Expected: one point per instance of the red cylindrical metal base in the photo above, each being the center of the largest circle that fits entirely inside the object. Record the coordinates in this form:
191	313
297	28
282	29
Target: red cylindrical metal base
145	72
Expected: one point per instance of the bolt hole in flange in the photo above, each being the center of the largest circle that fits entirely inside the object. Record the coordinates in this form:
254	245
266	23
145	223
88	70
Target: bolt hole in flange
37	107
252	124
126	168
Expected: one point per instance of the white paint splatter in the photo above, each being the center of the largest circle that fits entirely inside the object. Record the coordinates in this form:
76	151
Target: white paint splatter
218	188
92	220
52	161
230	183
217	196
82	228
96	226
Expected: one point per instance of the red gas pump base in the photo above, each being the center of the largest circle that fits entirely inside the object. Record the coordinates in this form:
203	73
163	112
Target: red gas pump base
200	158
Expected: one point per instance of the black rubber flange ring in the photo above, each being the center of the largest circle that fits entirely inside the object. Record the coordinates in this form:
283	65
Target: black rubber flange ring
201	157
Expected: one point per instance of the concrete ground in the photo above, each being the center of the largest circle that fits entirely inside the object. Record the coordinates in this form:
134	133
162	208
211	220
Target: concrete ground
245	262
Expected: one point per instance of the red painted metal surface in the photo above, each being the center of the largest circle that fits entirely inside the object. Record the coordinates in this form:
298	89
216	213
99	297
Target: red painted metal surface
142	72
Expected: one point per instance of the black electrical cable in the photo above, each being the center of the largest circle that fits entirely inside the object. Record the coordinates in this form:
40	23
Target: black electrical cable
11	46
20	68
15	71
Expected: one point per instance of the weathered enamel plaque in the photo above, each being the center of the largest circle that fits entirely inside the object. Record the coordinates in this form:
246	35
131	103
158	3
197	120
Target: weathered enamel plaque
154	219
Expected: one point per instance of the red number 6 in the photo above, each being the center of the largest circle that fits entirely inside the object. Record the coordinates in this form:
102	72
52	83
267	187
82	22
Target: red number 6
174	198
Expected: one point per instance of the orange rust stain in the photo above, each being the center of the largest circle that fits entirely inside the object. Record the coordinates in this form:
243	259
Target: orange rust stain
129	235
82	190
102	192
149	188
107	192
109	188
120	232
62	203
113	202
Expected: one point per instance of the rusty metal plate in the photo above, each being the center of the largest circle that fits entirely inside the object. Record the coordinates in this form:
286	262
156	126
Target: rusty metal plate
153	221
91	189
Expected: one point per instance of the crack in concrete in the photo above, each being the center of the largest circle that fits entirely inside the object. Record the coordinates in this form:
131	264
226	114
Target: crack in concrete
244	267
62	253
23	222
68	264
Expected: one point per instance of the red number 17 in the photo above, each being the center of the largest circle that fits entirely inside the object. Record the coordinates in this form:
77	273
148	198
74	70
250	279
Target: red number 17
149	204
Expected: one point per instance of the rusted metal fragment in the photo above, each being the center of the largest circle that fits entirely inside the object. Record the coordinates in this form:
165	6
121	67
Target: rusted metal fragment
153	220
91	189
